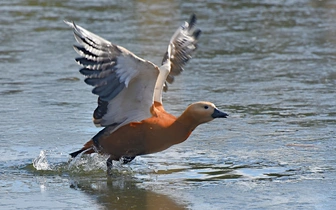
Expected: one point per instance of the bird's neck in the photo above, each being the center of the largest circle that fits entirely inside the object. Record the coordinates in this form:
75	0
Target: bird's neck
187	121
185	124
180	128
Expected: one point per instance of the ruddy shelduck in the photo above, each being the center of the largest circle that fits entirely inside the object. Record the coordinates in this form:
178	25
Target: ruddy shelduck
130	95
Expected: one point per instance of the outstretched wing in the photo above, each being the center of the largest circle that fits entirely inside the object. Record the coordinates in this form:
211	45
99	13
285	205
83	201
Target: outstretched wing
124	82
181	47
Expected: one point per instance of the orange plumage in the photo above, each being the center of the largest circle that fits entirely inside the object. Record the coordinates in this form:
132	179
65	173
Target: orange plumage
130	96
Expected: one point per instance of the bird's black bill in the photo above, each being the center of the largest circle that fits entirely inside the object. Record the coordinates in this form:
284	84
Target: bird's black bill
219	114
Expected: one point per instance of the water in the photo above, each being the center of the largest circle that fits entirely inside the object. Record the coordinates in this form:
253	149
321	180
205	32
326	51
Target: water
269	64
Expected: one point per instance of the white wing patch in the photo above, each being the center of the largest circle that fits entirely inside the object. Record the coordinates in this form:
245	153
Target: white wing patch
125	69
133	104
124	82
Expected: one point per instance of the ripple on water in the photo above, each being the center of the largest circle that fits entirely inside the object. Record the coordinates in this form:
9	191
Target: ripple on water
146	171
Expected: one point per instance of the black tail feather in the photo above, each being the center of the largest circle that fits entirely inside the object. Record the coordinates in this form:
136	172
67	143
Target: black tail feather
74	154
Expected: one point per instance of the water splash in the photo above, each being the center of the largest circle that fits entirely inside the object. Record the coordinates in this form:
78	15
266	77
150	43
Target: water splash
87	163
41	162
52	163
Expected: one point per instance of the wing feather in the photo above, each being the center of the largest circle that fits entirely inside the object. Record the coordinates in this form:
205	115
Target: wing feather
124	82
180	49
182	45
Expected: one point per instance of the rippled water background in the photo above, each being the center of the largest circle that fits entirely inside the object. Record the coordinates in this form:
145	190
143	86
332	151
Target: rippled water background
269	64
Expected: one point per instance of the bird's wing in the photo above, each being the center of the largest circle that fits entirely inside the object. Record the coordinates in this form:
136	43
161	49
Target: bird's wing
124	82
180	49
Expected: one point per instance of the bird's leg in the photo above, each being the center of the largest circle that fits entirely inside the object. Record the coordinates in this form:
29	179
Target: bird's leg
109	164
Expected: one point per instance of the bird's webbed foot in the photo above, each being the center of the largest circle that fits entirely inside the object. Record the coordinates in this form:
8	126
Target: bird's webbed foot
123	160
126	159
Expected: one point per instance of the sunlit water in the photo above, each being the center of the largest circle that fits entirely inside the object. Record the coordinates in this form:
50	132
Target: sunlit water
269	64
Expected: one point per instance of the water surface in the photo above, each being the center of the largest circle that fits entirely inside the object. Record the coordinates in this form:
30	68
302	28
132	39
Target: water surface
269	64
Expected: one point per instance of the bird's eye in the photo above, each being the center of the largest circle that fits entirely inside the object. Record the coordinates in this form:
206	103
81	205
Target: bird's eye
206	107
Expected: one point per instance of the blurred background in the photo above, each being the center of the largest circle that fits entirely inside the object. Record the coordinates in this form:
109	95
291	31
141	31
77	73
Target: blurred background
270	64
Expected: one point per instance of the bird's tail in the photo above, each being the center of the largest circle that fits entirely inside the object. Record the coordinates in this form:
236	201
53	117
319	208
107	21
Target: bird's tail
87	149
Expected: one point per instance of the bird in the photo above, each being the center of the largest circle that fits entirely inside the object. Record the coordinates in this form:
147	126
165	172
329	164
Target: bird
129	91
